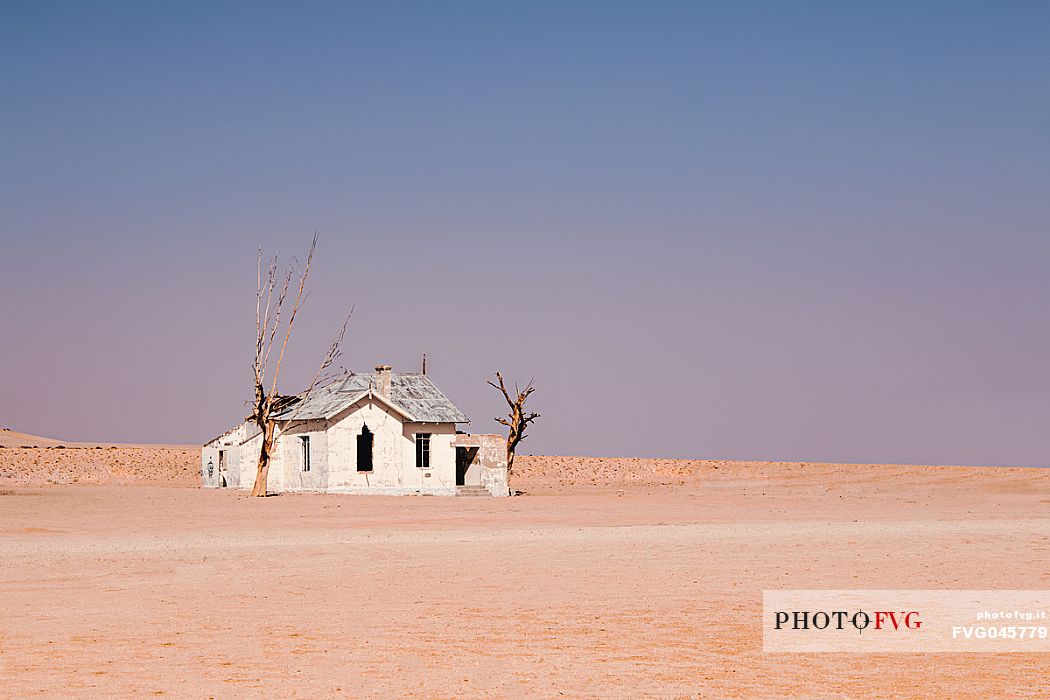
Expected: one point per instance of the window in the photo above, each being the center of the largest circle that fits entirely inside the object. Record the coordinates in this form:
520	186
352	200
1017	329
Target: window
423	450
364	450
306	452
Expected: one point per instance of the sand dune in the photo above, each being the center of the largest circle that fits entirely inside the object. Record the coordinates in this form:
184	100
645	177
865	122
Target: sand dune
13	438
34	460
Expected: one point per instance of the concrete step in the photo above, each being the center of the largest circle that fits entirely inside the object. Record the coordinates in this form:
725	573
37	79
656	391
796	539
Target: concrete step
472	491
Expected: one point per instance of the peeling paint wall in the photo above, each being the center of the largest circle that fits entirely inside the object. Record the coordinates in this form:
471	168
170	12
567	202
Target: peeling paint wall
286	469
225	468
249	459
489	465
333	455
393	453
210	456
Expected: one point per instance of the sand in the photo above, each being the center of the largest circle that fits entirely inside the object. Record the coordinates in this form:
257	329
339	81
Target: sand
608	578
29	466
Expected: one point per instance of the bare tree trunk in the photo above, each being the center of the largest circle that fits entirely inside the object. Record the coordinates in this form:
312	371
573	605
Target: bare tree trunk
517	420
263	471
269	303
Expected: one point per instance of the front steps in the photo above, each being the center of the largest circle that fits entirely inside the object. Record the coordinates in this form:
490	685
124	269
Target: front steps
472	491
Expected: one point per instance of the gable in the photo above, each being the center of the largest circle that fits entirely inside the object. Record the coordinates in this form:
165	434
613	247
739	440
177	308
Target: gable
363	403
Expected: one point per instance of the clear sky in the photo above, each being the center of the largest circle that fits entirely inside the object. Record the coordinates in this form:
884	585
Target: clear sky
812	231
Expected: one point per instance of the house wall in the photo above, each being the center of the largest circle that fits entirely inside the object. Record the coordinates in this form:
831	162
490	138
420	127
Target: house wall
232	442
493	459
231	466
231	469
394	468
210	455
333	452
489	465
286	466
249	459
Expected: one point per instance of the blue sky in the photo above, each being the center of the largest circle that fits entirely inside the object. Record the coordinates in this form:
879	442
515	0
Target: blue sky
752	230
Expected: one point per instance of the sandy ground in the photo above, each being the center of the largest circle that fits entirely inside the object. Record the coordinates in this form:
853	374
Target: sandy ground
609	578
27	466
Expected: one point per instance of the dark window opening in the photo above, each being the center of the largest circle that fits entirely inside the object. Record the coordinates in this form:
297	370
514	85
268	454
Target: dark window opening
306	452
364	450
423	450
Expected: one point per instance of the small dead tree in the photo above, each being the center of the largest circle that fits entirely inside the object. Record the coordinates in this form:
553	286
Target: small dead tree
517	420
268	402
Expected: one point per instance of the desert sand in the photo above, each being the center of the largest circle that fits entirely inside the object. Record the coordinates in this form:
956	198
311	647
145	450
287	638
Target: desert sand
607	578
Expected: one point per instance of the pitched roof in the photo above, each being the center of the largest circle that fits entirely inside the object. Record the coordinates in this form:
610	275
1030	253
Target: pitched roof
413	395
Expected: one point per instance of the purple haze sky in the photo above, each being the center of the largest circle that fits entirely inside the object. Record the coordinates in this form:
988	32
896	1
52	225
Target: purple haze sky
812	231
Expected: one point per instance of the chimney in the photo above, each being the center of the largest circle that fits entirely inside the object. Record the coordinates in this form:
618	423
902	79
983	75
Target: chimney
383	374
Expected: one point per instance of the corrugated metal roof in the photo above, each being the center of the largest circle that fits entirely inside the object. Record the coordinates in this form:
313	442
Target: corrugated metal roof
422	400
413	394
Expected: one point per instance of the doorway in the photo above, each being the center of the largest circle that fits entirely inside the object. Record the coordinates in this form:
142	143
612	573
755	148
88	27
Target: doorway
222	469
464	459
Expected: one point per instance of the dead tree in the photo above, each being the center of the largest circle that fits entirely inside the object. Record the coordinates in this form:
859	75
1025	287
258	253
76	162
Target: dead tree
268	402
517	420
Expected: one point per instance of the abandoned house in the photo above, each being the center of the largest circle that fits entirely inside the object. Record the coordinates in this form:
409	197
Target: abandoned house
379	433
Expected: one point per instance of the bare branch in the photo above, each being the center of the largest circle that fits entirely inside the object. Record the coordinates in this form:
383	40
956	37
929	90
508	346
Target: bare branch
503	389
295	310
334	352
262	326
277	307
268	404
258	319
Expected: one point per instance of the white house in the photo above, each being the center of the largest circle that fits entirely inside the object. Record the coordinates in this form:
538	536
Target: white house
381	433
